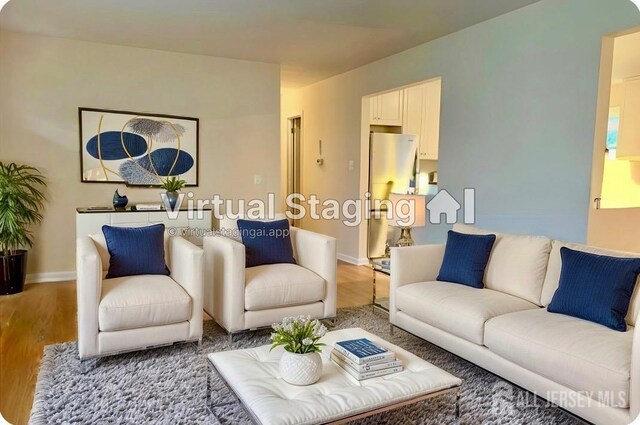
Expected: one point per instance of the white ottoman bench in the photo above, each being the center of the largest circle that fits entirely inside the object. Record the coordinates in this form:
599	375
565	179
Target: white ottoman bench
253	376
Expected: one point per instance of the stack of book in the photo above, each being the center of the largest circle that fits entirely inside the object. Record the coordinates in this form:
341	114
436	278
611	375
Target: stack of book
363	359
147	207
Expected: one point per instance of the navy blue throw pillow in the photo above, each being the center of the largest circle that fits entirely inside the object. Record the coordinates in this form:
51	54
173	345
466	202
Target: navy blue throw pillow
465	258
135	250
266	242
594	287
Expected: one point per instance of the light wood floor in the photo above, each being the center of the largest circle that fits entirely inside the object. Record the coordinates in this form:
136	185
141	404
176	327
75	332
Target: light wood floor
45	313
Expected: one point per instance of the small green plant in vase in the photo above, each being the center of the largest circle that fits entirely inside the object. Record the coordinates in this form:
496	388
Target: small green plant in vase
172	186
300	363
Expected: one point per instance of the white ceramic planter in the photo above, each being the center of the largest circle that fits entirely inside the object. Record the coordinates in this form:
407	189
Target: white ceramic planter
300	369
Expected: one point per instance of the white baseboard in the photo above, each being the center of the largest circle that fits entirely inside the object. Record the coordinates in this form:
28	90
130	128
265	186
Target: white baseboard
353	260
51	277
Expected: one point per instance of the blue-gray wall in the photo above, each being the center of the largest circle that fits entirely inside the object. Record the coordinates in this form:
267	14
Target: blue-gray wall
518	114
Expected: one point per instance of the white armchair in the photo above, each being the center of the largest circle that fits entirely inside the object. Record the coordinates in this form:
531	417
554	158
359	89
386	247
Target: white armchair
137	312
240	298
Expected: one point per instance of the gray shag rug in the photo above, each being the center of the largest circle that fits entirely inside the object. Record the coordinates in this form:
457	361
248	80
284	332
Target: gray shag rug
168	385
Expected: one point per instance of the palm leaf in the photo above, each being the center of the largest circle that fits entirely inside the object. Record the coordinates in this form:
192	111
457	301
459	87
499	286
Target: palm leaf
21	202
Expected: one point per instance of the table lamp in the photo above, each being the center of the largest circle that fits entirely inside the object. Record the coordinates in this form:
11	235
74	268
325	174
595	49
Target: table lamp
407	211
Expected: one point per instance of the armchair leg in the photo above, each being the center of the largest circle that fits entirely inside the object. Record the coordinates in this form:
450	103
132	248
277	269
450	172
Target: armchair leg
333	321
87	365
198	344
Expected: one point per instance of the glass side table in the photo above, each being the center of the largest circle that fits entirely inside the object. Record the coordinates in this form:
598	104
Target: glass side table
380	265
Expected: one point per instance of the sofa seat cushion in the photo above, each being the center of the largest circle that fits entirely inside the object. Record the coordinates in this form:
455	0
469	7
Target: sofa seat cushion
576	353
281	285
141	301
457	309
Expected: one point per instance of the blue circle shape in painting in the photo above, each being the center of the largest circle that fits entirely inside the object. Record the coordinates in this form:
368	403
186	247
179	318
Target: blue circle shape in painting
163	162
111	145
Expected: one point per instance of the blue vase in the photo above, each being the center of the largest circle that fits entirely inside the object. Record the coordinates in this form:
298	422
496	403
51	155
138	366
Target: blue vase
119	201
172	199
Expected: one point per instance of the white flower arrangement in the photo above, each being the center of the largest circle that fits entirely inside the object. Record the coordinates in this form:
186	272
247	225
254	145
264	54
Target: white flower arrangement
299	335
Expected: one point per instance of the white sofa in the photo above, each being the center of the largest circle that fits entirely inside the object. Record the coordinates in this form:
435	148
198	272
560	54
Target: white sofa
136	312
240	298
584	367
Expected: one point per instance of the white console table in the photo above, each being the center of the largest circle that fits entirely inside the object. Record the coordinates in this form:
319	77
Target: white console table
91	221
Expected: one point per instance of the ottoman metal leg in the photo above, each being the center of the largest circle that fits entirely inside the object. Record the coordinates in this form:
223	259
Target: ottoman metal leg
457	419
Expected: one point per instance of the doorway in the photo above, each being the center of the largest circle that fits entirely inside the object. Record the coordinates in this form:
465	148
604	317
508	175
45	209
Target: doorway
294	157
614	211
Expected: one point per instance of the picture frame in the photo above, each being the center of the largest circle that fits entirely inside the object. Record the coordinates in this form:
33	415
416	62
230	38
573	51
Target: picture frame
137	148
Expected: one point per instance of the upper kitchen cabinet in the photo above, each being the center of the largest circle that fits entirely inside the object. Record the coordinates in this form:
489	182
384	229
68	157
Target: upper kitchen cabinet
430	135
413	113
629	133
421	116
386	109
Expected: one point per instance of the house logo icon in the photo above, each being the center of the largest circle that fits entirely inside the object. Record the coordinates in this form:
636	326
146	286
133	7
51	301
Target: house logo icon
443	203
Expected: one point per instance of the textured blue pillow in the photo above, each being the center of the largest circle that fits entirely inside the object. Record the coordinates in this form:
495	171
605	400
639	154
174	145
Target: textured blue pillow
594	287
135	250
266	242
465	258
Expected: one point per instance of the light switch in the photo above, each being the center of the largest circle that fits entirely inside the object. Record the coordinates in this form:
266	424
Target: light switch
257	179
351	165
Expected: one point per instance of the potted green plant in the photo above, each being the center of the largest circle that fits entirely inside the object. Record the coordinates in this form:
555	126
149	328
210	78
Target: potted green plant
21	202
300	363
172	186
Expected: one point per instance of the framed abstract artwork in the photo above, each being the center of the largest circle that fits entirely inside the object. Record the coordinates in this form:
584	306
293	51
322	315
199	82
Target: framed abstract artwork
138	149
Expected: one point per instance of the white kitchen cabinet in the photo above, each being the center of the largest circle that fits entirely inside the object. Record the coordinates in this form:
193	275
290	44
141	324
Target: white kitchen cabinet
421	117
629	132
413	113
430	134
386	109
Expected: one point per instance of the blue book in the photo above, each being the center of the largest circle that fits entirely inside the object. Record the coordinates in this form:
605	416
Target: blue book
362	351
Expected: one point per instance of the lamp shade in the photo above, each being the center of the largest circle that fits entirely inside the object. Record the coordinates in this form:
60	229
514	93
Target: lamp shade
407	210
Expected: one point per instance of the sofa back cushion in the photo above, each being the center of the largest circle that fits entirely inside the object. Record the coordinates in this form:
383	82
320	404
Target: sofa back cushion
552	278
517	264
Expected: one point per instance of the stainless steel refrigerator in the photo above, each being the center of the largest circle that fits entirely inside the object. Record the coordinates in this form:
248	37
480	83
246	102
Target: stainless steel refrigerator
392	167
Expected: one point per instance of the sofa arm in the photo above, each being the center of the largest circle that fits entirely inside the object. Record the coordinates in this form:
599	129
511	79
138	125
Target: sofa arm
318	253
88	292
187	269
420	263
634	390
224	281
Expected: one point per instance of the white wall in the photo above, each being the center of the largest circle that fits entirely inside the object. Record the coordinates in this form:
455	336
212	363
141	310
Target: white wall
43	81
518	109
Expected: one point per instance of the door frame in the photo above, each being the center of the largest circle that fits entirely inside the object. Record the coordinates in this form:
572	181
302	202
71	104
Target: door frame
294	159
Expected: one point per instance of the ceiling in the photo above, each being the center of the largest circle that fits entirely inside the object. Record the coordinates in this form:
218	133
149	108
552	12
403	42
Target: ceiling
310	39
626	57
